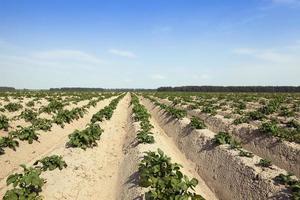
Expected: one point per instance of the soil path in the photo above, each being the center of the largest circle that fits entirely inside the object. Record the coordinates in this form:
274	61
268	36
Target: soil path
92	174
48	141
165	143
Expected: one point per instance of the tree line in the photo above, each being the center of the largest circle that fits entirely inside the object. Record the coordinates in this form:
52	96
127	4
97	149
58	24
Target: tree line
4	89
230	89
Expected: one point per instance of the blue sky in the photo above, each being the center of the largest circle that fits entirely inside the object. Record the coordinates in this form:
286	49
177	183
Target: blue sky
149	43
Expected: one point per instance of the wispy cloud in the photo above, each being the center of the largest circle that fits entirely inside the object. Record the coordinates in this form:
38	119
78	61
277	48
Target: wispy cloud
64	55
50	58
267	55
122	53
158	77
201	76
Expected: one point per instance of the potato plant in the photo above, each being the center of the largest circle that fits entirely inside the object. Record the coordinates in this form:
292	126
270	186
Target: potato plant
67	116
25	133
272	128
177	113
145	137
248	154
9	142
107	111
28	115
86	138
4	122
141	115
224	138
265	163
42	124
164	178
30	104
197	123
28	185
291	183
13	107
53	107
51	163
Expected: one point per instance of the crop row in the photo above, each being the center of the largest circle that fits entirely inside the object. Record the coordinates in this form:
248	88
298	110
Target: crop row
162	178
29	133
141	115
28	185
88	137
277	116
223	138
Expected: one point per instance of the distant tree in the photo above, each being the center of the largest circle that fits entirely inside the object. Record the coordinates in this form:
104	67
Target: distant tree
231	89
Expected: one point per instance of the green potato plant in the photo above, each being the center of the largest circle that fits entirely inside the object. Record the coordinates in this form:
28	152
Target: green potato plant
42	124
86	138
9	142
196	123
26	185
141	114
51	163
145	137
4	122
25	133
13	107
28	115
265	163
164	178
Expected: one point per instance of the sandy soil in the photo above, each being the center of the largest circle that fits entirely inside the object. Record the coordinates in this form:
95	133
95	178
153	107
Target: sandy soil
91	174
109	171
48	141
230	176
166	143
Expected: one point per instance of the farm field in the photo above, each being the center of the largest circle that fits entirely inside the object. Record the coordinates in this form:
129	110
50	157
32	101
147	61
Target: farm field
149	145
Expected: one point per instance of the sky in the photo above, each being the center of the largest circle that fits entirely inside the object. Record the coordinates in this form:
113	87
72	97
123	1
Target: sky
149	43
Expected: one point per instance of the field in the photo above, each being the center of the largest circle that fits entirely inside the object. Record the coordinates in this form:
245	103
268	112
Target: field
149	145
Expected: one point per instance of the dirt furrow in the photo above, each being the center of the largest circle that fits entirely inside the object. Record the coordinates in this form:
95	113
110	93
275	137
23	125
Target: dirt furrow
134	153
48	141
92	174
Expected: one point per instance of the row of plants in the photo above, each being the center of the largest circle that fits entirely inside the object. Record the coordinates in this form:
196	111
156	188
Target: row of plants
28	184
177	113
271	127
30	134
195	123
234	100
294	185
289	131
164	179
88	137
107	111
286	105
141	115
13	107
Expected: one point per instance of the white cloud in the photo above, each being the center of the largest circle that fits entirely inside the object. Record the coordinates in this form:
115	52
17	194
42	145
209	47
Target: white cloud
53	58
122	53
158	77
268	55
201	76
65	55
244	51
